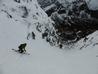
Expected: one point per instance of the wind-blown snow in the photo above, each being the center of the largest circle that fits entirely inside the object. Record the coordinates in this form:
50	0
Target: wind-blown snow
43	59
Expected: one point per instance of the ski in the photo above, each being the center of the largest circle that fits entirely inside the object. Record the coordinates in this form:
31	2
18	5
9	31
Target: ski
20	53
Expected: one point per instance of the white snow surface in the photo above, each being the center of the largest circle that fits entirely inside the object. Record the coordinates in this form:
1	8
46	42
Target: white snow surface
43	58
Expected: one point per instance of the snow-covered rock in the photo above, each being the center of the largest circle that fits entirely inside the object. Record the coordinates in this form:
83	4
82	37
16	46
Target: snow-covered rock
27	12
92	41
93	4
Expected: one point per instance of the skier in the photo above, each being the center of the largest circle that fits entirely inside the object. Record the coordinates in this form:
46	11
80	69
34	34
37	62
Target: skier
22	48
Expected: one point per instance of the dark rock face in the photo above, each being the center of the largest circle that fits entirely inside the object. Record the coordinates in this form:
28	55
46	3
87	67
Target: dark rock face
94	13
67	34
18	1
72	23
45	3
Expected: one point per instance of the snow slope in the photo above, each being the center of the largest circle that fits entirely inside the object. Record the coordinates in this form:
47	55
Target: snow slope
43	59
